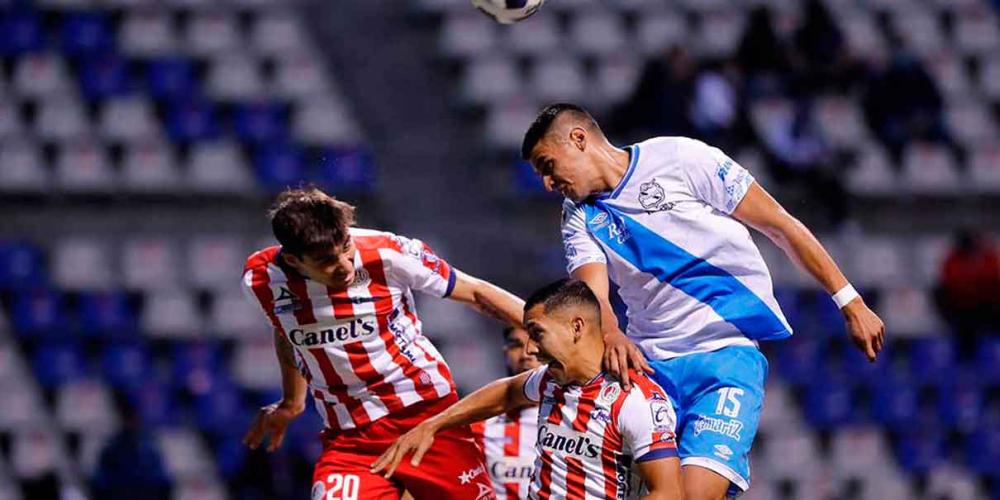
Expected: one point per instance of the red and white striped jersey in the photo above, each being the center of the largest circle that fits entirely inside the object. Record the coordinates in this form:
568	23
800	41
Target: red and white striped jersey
509	443
590	436
361	349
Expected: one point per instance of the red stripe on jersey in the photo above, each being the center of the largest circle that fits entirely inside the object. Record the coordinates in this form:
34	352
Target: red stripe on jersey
574	478
331	414
441	367
611	443
379	288
588	400
304	311
479	433
336	386
545	475
261	258
555	414
512	435
512	490
362	365
264	294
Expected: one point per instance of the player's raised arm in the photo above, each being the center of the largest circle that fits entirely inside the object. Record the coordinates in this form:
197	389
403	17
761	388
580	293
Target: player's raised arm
493	399
762	212
619	353
274	418
488	299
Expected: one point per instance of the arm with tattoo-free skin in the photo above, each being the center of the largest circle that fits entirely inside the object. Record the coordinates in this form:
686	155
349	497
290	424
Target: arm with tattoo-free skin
274	418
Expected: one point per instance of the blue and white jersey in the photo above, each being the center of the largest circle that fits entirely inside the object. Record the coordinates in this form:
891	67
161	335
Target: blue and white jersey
690	274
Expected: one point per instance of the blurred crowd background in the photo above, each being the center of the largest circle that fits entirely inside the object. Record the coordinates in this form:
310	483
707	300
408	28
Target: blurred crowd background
141	141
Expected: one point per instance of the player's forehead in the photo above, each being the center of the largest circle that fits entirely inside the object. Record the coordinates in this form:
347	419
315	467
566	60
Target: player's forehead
331	251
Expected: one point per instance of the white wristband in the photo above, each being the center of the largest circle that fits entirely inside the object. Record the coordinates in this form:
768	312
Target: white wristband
845	295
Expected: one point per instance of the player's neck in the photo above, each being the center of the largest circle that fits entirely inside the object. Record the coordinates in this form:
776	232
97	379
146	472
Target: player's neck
585	368
613	162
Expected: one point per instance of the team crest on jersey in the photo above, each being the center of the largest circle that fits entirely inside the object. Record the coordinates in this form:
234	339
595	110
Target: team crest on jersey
361	277
609	394
318	490
651	197
293	303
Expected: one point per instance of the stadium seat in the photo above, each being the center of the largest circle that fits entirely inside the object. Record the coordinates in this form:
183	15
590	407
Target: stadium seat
798	360
86	33
919	30
792	455
658	31
279	166
171	314
861	32
254	364
989	77
506	121
107	313
873	174
149	264
324	121
103	77
128	119
919	452
260	122
909	311
41	74
988	360
982	449
214	261
61	118
856	450
23	32
597	32
971	122
719	33
841	121
234	77
975	31
192	121
949	481
232	315
184	455
21	167
126	365
885	262
895	404
21	405
150	167
155	405
616	78
984	169
85	406
949	74
147	33
467	34
219	167
557	78
10	119
276	33
930	170
80	263
38	311
21	264
171	78
299	75
345	171
535	38
212	32
929	253
931	359
490	80
221	411
56	364
830	404
961	403
35	451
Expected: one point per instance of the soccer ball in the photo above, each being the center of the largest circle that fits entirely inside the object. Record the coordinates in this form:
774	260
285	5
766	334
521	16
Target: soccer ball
508	11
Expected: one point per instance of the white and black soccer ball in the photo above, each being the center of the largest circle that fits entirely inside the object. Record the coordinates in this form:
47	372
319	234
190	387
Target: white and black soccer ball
508	11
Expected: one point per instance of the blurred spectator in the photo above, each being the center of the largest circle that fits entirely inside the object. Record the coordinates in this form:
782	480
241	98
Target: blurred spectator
903	104
762	55
800	154
820	51
129	466
968	291
715	110
660	103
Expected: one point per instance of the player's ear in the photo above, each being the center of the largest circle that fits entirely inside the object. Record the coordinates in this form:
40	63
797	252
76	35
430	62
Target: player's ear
579	325
578	137
291	260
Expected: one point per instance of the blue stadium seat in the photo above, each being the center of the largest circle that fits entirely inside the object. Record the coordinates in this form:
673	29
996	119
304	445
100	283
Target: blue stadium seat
155	405
21	264
932	359
788	300
192	121
982	451
261	122
103	77
895	403
279	166
831	404
960	403
230	454
920	451
171	79
22	33
126	365
39	311
221	411
85	33
196	367
345	171
58	363
107	314
799	359
988	360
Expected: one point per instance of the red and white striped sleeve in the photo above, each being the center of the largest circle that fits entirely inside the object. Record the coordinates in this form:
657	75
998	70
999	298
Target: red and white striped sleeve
647	423
416	266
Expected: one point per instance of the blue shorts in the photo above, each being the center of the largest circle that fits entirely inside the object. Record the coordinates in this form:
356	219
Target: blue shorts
718	397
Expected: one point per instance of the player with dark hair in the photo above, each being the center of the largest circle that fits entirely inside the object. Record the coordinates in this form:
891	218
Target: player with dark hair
508	439
595	439
666	220
340	300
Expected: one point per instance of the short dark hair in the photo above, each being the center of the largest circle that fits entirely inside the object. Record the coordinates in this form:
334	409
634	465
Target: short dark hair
563	293
543	122
307	220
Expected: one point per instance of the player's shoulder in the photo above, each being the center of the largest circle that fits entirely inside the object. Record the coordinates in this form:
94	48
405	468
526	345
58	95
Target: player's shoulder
645	387
261	258
671	148
373	239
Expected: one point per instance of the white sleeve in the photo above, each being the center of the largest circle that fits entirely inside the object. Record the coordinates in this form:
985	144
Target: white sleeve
647	425
249	293
419	268
580	246
714	177
533	384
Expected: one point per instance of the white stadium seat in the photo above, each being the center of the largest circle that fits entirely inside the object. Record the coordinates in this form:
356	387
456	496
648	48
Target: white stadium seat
171	314
215	262
128	119
930	169
218	167
82	263
41	75
150	167
150	263
467	34
83	166
540	36
148	32
212	33
21	166
488	80
61	118
235	77
276	33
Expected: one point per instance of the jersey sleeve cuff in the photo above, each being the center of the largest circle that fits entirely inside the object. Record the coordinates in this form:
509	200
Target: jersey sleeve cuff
452	276
658	454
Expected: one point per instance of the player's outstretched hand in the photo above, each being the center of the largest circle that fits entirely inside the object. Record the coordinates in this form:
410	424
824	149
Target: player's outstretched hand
272	419
865	328
417	441
620	354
